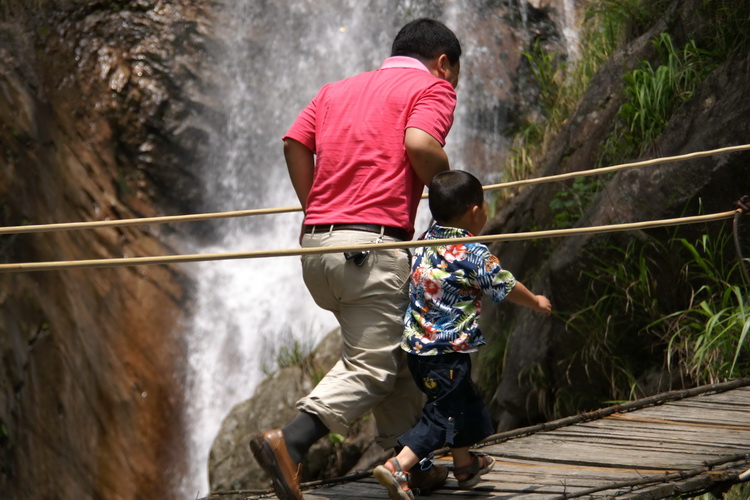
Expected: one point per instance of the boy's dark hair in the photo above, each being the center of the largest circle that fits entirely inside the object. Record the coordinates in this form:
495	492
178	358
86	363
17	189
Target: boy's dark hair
452	193
426	39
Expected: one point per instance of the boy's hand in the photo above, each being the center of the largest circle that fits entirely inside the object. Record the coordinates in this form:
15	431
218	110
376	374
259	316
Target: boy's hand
524	297
543	304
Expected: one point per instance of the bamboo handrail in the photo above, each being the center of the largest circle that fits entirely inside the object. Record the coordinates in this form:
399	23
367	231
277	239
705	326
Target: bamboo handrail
70	226
175	259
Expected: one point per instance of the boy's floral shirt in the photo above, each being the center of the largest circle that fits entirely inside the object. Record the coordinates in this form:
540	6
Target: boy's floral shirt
445	294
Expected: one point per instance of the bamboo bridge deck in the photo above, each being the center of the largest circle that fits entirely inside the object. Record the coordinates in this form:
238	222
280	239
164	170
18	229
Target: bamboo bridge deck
662	446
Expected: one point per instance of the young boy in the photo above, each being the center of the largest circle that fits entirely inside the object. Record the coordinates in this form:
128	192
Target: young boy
441	329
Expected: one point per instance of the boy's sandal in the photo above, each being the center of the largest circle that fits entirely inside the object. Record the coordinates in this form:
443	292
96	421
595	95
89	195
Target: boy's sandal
469	475
395	480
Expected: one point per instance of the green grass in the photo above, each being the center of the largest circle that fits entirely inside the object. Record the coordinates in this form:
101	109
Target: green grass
730	20
491	360
621	301
707	339
678	306
655	92
569	203
286	350
548	70
606	26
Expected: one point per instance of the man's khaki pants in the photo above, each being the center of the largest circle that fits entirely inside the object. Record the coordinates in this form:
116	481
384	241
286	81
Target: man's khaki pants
369	302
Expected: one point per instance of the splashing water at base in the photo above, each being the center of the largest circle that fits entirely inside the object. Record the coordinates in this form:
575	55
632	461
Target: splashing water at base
246	309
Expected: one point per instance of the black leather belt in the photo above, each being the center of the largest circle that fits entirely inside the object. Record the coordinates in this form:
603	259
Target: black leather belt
392	232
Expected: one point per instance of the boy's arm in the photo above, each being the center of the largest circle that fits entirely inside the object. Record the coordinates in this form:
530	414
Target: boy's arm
523	297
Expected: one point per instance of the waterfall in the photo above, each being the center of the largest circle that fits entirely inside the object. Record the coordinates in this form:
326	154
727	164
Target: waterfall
570	28
277	55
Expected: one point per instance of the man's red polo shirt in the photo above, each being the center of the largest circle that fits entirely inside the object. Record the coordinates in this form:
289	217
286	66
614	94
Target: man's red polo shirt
356	129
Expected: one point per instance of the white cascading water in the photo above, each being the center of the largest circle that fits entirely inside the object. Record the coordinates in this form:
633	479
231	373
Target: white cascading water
279	54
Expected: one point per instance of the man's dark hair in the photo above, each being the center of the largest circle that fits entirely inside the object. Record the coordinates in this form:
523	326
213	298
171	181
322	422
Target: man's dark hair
452	193
426	39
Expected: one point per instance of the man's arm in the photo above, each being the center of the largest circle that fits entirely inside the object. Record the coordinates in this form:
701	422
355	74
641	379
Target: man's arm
426	154
300	162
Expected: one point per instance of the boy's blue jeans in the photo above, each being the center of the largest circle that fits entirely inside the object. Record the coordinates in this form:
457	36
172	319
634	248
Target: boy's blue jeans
455	414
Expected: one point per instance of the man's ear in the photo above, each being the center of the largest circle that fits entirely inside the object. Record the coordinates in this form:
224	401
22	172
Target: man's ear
442	64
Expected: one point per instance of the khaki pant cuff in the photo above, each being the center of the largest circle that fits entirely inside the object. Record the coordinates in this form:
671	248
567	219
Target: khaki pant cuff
334	423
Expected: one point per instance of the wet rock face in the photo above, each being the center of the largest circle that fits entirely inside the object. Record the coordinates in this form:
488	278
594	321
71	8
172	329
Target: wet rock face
143	68
497	94
103	114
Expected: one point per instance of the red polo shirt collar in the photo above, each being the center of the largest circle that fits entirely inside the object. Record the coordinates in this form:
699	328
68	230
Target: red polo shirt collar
403	62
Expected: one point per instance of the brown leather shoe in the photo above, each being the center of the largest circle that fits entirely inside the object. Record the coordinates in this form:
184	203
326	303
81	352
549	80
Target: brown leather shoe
270	452
425	481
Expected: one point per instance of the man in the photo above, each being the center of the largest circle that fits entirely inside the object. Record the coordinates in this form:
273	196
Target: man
359	156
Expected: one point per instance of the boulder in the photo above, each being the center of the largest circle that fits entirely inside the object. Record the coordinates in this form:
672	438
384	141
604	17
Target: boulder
232	465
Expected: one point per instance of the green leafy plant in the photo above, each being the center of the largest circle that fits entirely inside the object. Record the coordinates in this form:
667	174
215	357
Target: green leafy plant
678	306
561	81
520	163
621	302
548	70
707	341
292	355
619	21
288	351
491	359
730	21
654	93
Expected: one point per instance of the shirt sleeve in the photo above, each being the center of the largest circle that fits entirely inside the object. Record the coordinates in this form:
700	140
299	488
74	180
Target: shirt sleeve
495	281
433	111
304	127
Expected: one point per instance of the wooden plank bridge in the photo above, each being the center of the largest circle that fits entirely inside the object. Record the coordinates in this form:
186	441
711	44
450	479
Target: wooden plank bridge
669	444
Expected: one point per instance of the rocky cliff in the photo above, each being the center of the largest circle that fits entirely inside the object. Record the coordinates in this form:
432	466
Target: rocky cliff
98	102
548	370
